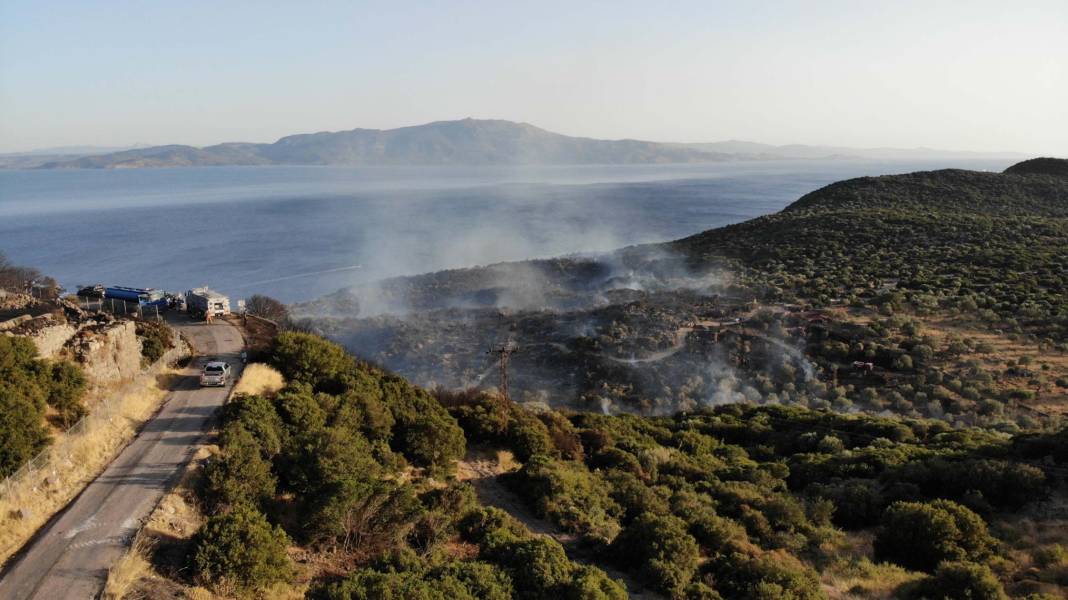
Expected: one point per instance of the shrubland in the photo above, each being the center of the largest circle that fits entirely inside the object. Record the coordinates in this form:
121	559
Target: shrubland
737	501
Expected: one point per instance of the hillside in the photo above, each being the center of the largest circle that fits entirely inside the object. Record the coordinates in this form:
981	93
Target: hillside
948	286
991	241
1046	166
349	483
466	142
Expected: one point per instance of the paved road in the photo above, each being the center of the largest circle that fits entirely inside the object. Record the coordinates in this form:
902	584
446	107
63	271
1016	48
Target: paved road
70	557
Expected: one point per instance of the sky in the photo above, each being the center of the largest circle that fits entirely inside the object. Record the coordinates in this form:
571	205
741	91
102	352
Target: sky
964	75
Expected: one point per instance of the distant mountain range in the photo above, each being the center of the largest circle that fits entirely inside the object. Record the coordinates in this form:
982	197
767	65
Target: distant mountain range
464	142
802	151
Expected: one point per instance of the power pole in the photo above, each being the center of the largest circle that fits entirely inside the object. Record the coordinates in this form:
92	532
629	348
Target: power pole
503	352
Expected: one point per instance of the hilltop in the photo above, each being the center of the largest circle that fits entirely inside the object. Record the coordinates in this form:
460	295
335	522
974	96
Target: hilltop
464	142
1047	166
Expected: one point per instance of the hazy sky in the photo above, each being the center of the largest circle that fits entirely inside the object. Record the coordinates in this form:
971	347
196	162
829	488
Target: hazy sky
968	75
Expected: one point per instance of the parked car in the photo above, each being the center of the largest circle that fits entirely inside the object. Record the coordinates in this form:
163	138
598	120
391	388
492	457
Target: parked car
91	291
215	373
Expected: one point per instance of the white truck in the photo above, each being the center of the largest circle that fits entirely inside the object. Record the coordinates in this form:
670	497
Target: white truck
206	303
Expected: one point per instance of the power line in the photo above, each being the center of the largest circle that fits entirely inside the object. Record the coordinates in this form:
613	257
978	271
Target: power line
503	352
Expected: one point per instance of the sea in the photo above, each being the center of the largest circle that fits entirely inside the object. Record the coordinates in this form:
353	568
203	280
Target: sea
296	233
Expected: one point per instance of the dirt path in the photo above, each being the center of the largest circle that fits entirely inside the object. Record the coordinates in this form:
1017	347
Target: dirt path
483	468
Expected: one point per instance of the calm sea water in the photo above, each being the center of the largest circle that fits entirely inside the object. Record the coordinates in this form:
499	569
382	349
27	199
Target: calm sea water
299	232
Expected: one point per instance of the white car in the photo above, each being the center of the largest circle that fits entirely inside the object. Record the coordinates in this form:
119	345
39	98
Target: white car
215	373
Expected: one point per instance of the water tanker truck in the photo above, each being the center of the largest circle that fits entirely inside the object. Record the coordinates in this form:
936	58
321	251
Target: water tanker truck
141	296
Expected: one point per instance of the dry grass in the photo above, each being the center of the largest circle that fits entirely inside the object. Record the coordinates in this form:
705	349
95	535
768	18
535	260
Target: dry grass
856	579
127	571
175	518
74	460
259	378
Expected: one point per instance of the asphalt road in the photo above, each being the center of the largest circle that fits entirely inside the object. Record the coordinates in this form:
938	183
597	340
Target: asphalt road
70	556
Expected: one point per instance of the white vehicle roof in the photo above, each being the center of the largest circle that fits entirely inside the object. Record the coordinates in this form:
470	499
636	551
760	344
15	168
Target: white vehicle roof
215	363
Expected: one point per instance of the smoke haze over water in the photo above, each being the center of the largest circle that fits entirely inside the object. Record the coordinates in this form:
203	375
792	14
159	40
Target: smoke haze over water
297	233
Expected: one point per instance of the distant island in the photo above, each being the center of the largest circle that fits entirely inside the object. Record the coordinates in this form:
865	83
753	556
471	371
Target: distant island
464	142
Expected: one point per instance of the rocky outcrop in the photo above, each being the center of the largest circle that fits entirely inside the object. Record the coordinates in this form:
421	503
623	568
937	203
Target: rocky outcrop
108	353
49	332
51	339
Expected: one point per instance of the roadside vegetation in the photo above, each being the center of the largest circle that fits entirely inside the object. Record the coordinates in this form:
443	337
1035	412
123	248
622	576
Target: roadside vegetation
73	460
29	388
342	483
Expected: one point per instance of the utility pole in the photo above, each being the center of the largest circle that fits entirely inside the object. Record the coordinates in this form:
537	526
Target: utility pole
503	352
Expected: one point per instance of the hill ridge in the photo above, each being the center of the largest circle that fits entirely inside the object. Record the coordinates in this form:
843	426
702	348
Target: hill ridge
458	142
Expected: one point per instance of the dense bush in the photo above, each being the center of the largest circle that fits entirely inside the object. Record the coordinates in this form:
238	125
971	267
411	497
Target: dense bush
310	359
404	576
156	339
570	495
239	474
662	551
775	575
240	549
22	430
27	386
66	386
921	535
952	580
538	566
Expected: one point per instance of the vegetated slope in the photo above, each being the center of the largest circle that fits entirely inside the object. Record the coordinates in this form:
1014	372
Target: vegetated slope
1047	166
990	242
939	294
738	501
466	142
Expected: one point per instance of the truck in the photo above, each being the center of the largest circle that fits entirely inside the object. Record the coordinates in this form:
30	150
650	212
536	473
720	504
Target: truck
204	302
142	296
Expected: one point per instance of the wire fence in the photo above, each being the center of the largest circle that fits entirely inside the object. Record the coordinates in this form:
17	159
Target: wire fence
119	308
103	414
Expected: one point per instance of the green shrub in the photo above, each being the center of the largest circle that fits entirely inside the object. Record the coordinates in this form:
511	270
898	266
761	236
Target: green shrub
259	417
775	575
311	360
66	386
239	474
662	550
488	525
22	430
240	549
425	432
156	339
538	565
568	494
25	387
920	535
952	580
357	514
527	436
591	583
